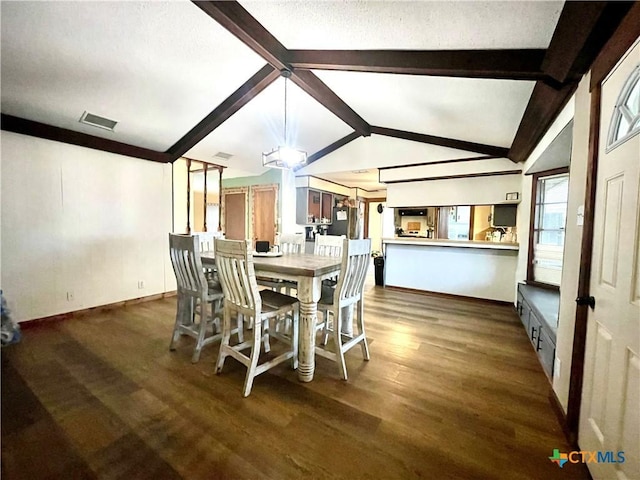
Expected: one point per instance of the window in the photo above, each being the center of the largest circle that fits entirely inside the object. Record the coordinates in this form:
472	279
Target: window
626	116
550	217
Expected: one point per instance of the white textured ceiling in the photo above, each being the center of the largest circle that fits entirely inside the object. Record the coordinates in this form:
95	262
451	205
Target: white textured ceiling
158	68
476	110
259	127
412	25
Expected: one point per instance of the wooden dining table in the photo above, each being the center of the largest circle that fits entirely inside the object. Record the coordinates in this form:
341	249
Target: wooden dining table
308	270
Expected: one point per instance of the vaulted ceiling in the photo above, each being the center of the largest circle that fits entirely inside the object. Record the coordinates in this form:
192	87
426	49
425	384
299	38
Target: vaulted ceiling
373	83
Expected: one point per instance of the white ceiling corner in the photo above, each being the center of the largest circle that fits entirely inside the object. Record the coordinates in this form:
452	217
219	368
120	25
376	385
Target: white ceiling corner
155	67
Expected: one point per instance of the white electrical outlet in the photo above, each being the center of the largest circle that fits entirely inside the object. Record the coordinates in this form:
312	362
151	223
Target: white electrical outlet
556	368
140	284
70	297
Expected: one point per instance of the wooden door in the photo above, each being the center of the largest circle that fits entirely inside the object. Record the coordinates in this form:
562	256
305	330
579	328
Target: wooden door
609	419
235	215
443	222
264	214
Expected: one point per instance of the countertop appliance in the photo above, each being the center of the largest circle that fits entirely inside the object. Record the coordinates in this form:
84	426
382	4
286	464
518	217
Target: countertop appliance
309	233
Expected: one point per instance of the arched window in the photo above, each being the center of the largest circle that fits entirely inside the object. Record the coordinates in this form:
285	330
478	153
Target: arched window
626	116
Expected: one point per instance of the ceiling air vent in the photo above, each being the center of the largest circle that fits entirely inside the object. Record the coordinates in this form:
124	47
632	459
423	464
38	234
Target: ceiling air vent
97	121
223	155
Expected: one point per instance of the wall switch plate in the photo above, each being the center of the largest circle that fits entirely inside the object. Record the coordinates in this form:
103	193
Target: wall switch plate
580	216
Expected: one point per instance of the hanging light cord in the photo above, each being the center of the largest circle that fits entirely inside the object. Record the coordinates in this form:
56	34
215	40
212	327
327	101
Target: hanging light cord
285	111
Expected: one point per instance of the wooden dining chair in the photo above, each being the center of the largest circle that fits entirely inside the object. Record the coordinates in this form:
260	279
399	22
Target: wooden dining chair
290	244
205	239
243	298
356	255
328	245
198	303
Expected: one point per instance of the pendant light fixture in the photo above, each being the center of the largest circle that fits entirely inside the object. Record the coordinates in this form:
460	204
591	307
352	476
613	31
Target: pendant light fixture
284	156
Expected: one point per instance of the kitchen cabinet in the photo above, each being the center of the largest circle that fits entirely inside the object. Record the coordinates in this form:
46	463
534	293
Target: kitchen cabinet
312	206
523	311
537	309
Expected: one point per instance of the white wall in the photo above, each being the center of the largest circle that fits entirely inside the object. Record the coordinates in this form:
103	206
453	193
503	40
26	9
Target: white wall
320	184
448	169
578	110
288	192
524	208
573	236
459	191
375	225
180	196
471	272
81	221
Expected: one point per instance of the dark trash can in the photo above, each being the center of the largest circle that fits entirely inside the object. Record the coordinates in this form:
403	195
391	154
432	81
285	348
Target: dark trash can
378	263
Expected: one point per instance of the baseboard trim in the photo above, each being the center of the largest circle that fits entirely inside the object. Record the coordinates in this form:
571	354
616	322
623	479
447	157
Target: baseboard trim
448	295
562	418
36	322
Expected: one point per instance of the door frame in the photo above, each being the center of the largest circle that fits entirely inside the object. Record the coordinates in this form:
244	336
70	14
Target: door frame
367	212
617	46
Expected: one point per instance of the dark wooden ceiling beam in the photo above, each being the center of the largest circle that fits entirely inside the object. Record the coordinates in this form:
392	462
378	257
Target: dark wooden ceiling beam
503	64
442	141
23	126
544	106
232	16
582	30
252	87
330	148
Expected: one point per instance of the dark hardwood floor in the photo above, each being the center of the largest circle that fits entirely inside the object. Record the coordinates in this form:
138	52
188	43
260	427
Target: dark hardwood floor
453	391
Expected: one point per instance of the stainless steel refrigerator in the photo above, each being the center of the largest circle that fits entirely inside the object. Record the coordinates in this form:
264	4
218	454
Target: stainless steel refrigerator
344	221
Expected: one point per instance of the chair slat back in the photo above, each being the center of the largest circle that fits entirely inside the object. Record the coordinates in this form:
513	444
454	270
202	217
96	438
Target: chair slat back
292	243
356	256
206	240
237	275
184	251
328	245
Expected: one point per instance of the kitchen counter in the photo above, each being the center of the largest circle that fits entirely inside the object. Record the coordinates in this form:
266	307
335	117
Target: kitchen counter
457	267
451	243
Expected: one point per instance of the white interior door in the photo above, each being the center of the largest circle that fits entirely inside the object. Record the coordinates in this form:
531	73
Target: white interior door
609	420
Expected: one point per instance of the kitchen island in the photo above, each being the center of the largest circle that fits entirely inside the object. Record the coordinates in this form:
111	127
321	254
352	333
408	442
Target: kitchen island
468	268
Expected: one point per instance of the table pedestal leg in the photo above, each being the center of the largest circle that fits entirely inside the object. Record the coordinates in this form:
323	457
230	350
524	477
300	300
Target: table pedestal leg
308	294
